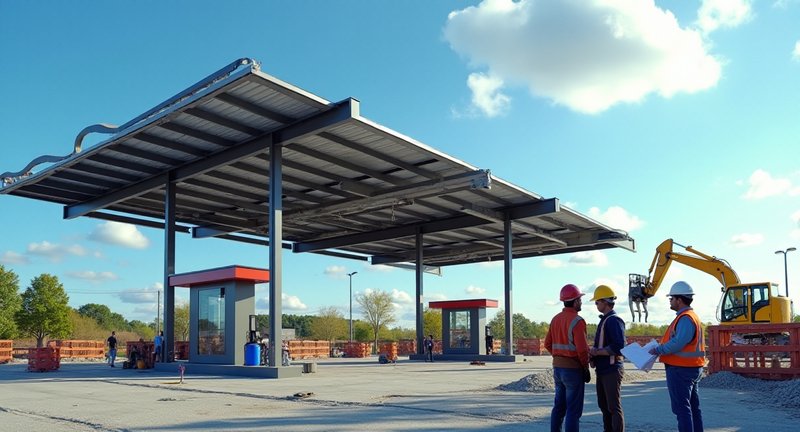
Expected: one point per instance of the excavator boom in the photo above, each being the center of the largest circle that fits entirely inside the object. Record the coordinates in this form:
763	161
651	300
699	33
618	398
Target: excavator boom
664	257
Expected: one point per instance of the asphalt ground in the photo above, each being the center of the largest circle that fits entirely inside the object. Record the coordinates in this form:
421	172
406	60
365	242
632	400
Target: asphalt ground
343	395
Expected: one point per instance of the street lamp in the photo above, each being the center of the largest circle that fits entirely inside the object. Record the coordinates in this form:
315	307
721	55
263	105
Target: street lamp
350	275
785	269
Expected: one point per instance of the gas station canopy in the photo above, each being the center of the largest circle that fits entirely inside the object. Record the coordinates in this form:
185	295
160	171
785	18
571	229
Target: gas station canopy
351	187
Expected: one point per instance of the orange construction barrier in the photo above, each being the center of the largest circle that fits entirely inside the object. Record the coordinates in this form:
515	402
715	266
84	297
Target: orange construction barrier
6	351
44	359
90	349
776	358
389	349
529	346
144	350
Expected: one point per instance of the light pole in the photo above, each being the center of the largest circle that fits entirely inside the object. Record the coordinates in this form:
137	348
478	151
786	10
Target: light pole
350	275
785	268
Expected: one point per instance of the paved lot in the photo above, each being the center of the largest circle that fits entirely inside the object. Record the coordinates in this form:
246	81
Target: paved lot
348	395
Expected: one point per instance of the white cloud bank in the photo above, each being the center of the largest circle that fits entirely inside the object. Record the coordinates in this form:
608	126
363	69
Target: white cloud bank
591	258
796	51
716	14
119	234
617	217
763	185
747	239
587	55
54	252
11	257
93	276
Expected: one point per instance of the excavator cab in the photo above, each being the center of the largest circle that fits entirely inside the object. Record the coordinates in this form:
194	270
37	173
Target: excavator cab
753	303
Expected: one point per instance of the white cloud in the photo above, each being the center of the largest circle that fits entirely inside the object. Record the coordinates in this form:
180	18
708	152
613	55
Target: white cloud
491	264
119	234
336	272
746	239
54	252
143	296
795	234
586	55
763	185
11	257
796	51
93	276
590	258
796	217
401	297
434	297
380	268
291	302
474	290
552	263
617	217
486	95
714	14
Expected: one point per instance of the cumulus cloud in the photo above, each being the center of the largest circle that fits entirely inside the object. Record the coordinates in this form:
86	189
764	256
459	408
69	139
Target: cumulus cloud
401	297
796	217
617	217
763	185
474	290
146	295
585	55
337	272
553	263
291	302
590	258
119	234
435	297
715	14
746	239
486	95
796	51
54	252
11	257
93	276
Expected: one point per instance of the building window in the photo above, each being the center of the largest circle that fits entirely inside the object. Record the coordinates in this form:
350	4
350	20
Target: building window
211	321
460	329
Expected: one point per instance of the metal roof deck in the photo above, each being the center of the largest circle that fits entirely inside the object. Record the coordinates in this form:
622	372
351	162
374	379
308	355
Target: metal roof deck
351	187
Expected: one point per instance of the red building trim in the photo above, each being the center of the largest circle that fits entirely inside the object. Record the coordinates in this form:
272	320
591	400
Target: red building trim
205	277
463	304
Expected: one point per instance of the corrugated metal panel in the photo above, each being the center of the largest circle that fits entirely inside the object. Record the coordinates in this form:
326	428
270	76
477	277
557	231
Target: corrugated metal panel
345	185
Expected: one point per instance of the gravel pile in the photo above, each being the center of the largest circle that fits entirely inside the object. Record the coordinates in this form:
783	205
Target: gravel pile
542	382
778	393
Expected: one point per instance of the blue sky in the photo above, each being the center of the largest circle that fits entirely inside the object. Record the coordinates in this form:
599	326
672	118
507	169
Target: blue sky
668	119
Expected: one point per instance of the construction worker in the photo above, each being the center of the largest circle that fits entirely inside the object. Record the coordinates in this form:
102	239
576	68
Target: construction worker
607	360
682	350
566	341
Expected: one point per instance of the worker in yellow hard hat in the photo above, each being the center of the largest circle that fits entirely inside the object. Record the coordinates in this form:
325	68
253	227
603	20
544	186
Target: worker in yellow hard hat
607	360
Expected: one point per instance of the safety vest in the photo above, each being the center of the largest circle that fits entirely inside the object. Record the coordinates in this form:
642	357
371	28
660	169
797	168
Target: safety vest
562	336
694	353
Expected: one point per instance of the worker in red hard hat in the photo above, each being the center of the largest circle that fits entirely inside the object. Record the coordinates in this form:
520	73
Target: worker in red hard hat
566	341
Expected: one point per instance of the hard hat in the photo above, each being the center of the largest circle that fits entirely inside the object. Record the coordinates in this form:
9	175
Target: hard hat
603	292
681	288
570	292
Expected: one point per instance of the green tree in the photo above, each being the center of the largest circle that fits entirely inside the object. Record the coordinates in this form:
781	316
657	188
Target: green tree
361	331
85	328
142	329
181	332
45	310
104	316
329	324
378	310
300	323
431	323
10	302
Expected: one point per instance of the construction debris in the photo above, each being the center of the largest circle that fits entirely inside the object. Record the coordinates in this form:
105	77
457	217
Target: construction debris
542	382
780	393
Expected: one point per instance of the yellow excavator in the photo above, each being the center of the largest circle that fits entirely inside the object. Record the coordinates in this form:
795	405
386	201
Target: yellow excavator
741	303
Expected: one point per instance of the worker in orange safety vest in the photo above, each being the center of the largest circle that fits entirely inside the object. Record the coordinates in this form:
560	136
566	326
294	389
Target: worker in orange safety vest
682	350
566	341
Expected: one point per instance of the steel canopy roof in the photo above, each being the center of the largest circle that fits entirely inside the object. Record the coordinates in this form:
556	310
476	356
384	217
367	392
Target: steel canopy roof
351	187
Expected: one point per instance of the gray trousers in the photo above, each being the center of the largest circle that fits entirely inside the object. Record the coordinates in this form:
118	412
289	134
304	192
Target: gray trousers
609	401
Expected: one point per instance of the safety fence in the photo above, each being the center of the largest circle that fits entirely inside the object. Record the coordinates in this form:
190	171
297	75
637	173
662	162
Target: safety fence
766	351
357	349
388	349
44	359
141	353
79	349
406	347
6	351
309	349
641	340
529	346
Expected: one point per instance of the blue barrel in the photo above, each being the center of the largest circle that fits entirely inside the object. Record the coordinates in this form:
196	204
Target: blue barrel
252	354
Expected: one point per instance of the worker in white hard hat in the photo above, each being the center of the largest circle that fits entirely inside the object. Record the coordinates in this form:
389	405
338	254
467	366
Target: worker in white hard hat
566	341
609	339
682	350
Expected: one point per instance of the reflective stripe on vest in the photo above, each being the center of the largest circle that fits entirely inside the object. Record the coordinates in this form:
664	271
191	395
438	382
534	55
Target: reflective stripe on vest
690	355
571	345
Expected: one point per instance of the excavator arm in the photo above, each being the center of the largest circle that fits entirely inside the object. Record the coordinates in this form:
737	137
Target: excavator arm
706	263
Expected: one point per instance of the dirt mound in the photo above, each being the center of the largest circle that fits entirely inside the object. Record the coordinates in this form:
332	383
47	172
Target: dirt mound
779	393
542	382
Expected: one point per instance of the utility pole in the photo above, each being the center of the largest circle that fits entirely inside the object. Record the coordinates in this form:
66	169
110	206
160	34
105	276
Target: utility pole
350	275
